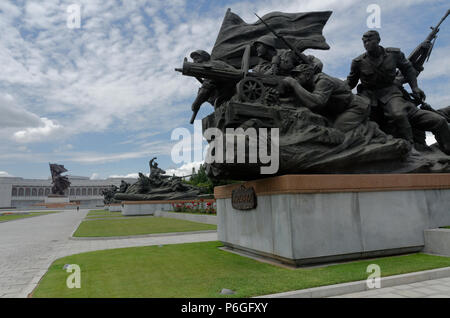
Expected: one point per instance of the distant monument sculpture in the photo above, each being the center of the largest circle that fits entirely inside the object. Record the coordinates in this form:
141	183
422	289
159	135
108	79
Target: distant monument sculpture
157	186
109	193
60	183
257	76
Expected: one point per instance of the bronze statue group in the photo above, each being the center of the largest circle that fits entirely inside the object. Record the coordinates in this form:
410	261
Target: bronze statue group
283	83
380	95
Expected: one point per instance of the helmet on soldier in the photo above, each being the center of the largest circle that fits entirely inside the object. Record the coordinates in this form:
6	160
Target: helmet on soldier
267	40
304	73
200	54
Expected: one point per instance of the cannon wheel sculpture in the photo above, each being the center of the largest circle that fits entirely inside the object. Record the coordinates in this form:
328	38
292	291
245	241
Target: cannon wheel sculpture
250	90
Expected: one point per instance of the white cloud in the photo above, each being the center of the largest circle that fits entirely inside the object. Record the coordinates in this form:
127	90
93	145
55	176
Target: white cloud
95	176
5	174
34	134
12	115
63	148
184	170
130	175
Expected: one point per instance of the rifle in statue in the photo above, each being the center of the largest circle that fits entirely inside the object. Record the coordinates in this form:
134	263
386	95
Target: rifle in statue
418	57
422	52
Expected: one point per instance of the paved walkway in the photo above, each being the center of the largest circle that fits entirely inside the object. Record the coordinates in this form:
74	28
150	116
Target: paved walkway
29	246
437	288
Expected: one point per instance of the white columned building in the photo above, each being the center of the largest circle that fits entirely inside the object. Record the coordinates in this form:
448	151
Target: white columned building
20	192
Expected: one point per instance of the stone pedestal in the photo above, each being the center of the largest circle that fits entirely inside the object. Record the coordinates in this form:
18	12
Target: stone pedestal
145	207
305	219
437	241
115	207
56	199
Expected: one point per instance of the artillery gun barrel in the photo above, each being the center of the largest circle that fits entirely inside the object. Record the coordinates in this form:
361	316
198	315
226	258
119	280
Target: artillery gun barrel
210	71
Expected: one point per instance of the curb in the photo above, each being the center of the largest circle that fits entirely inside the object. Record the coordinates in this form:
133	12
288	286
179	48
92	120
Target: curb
137	236
78	225
361	286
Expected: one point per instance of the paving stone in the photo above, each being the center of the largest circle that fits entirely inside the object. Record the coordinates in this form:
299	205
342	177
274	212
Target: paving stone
402	287
410	293
425	290
389	295
419	284
364	294
440	287
438	296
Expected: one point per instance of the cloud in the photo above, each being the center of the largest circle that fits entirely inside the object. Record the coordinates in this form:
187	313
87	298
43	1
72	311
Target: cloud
33	134
95	176
5	174
148	150
12	115
127	176
184	170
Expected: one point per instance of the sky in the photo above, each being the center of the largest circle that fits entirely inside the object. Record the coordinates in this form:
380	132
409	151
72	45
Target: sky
104	99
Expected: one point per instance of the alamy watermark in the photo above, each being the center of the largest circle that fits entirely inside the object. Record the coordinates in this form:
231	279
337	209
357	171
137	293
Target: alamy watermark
374	19
374	279
74	279
236	145
74	16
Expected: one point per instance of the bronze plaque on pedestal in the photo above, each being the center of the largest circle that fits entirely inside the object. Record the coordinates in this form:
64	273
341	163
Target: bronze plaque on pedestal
243	198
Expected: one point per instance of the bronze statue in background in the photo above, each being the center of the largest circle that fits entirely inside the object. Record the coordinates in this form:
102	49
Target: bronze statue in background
60	183
158	186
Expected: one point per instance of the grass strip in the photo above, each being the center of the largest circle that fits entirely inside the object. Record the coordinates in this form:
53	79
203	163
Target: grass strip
137	226
202	270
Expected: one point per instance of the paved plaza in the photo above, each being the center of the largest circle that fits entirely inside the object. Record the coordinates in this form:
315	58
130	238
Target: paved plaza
29	246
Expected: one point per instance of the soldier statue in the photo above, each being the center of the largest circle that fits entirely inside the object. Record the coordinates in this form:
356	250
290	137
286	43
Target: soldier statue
266	51
208	92
376	69
328	96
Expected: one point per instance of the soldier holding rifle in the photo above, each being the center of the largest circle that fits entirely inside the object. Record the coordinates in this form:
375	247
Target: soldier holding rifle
376	69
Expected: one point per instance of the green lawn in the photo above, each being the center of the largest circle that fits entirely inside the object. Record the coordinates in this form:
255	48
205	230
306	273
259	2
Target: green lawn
138	226
102	214
11	217
202	270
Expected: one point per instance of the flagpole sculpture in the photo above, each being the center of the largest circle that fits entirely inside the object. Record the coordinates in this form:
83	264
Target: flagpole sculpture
331	174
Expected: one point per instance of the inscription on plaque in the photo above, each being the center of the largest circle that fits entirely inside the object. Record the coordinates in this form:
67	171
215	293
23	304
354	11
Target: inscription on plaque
243	198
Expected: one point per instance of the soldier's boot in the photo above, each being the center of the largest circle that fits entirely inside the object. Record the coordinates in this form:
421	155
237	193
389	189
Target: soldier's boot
404	129
420	140
442	134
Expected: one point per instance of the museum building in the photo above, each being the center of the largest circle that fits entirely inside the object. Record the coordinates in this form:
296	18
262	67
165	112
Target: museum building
19	193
